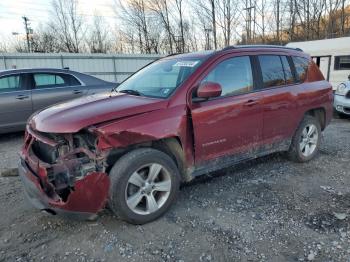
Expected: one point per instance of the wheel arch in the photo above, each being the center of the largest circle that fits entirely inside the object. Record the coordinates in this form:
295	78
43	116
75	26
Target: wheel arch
319	114
171	146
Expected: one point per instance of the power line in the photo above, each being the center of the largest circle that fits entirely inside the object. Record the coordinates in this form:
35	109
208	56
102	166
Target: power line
50	5
13	14
48	11
17	15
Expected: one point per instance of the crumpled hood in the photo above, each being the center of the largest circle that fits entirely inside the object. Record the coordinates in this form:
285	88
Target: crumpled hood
72	116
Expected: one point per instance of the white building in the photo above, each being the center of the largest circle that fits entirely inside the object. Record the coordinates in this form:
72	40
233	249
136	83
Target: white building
331	55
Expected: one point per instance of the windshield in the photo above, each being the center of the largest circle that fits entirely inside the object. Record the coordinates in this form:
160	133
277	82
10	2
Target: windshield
160	78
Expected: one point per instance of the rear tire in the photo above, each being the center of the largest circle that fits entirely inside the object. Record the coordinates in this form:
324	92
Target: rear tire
306	140
144	183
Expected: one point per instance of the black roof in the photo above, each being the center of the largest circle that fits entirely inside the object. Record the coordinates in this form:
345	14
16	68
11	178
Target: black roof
261	46
41	69
208	53
85	78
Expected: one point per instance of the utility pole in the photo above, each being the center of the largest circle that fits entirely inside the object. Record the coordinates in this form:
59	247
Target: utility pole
26	25
178	44
207	38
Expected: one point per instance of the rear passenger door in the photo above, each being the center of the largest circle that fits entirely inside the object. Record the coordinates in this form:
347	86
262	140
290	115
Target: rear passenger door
15	102
52	88
279	97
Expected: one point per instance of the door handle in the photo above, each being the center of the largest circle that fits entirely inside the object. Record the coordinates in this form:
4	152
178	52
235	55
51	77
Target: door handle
251	102
21	97
77	92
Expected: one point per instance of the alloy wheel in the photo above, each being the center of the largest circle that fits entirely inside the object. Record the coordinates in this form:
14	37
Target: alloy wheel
148	189
308	140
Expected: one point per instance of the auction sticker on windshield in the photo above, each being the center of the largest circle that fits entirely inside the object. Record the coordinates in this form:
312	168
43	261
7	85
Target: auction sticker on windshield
186	63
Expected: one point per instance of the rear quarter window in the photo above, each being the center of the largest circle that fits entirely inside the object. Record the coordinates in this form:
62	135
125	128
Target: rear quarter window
72	80
271	70
301	65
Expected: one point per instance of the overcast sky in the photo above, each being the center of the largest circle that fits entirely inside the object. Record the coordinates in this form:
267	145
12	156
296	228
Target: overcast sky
38	11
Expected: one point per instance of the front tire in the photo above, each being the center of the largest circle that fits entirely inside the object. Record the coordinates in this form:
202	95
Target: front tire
144	183
306	140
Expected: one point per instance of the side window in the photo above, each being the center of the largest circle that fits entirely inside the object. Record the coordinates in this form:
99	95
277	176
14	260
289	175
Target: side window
44	80
272	70
301	64
342	62
287	70
10	83
71	80
234	75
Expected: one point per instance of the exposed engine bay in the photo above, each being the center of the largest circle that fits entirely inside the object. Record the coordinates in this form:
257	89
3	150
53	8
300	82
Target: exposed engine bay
70	158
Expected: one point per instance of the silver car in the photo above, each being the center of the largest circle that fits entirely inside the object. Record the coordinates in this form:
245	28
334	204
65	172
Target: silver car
342	98
24	91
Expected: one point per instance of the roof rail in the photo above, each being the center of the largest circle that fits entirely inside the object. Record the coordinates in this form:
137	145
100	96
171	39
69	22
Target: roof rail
262	46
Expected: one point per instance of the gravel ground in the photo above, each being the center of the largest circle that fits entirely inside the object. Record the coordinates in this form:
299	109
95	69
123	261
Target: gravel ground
268	209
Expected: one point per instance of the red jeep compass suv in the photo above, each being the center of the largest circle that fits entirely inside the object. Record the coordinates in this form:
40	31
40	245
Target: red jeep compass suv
177	118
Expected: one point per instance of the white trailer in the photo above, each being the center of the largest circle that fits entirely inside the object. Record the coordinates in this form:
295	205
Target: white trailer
331	55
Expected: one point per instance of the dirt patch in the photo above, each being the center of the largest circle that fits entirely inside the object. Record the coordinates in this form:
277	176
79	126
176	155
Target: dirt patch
9	172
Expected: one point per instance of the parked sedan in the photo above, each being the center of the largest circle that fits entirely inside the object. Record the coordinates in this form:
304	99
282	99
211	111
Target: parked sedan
342	99
24	91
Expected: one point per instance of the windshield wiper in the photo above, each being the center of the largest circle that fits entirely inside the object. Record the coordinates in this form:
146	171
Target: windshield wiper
130	92
114	88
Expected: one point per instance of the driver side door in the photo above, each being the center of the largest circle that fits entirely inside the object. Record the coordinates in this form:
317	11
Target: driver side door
231	124
15	102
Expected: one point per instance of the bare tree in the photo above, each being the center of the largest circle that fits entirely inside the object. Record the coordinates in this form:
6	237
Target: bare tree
292	19
179	8
98	40
4	45
206	12
227	13
134	17
68	25
261	25
161	9
44	40
343	14
331	7
278	18
166	26
213	17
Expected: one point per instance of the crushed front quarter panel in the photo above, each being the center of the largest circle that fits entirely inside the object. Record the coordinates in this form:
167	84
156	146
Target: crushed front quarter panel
90	194
87	195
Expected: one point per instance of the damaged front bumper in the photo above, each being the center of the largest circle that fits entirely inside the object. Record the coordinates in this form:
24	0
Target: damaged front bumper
87	194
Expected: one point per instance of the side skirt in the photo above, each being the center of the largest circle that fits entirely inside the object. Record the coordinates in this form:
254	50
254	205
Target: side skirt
230	160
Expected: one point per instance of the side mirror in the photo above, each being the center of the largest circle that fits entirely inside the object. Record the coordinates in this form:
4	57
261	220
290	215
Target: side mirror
208	90
349	77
